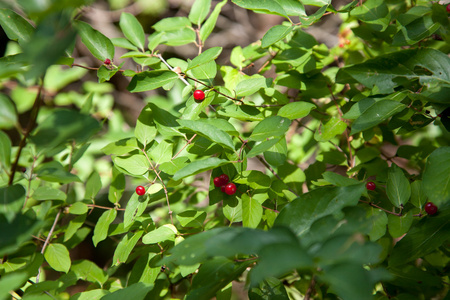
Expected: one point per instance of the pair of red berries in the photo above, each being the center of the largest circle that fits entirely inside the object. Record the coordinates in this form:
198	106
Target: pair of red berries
199	95
222	181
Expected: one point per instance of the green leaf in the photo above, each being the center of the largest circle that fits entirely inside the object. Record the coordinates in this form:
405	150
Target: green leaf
58	257
338	180
135	207
334	127
98	44
374	12
8	115
172	24
399	225
121	147
74	226
145	130
436	177
105	74
150	80
15	26
309	207
55	172
213	276
209	25
136	291
418	196
145	269
135	165
210	132
11	282
397	187
117	186
92	294
204	58
379	222
273	126
88	271
252	211
162	152
62	126
5	151
16	230
191	218
78	208
132	30
173	166
415	25
362	105
375	114
102	226
262	7
277	154
275	34
12	199
249	86
394	69
241	112
232	209
93	186
179	38
270	288
125	246
423	238
48	193
164	233
199	166
296	110
199	11
262	147
123	43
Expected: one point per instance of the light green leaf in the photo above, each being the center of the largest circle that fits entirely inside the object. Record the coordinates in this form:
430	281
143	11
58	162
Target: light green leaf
121	147
135	207
134	165
209	25
102	226
58	257
374	12
5	151
88	271
277	154
172	24
199	11
123	43
252	211
241	112
436	177
164	233
249	86
98	44
262	147
93	186
8	116
191	218
145	130
48	193
199	166
132	29
210	132
173	166
150	80
78	208
275	34
296	110
397	187
262	7
379	221
334	127
125	246
179	38
204	58
270	127
161	153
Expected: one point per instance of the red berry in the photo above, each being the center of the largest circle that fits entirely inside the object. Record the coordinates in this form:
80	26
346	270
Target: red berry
224	179
430	208
230	189
341	45
217	181
222	188
370	186
199	95
140	190
448	8
107	61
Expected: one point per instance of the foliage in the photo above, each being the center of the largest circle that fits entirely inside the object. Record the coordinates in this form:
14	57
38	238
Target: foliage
321	122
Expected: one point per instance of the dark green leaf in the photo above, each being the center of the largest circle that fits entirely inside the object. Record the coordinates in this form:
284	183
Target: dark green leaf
55	172
97	43
262	7
374	12
397	188
277	154
309	207
135	207
207	56
12	199
150	80
399	225
270	127
210	132
88	271
335	126
136	291
5	151
262	147
191	218
270	289
15	26
242	112
275	34
48	193
436	177
199	166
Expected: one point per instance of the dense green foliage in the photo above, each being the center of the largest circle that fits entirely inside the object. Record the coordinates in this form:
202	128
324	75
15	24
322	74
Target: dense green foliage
300	136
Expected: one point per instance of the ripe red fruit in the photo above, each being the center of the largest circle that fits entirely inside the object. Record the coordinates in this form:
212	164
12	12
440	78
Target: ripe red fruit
448	8
107	61
230	189
217	181
370	186
224	179
199	95
430	208
222	188
140	190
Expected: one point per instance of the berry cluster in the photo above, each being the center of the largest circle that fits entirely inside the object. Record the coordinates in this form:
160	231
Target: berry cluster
227	187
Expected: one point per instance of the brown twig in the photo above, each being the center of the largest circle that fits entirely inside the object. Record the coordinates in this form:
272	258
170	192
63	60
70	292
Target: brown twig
184	147
47	240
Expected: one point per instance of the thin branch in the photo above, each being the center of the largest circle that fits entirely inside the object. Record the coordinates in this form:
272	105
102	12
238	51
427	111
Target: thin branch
47	240
274	210
311	289
272	56
184	147
385	210
173	69
212	88
30	126
104	207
